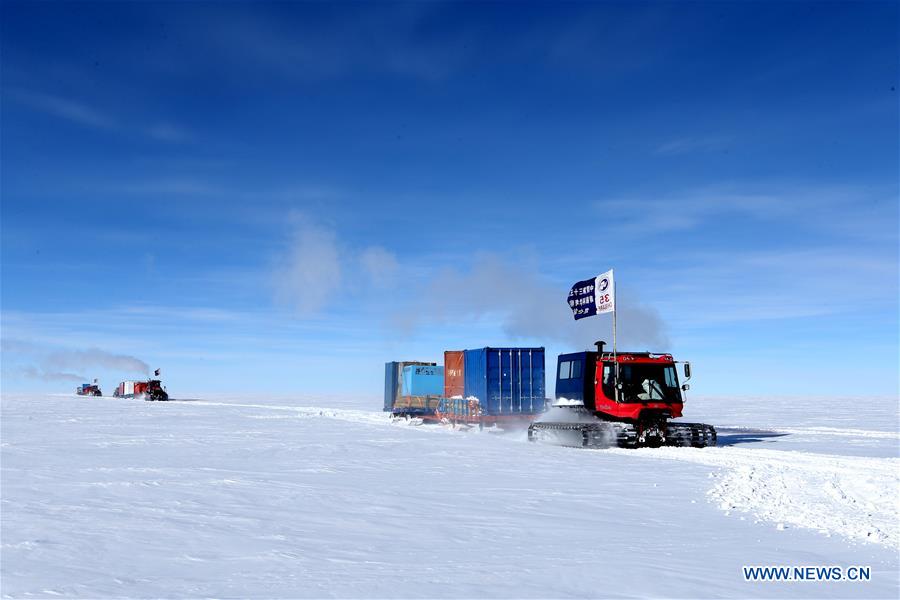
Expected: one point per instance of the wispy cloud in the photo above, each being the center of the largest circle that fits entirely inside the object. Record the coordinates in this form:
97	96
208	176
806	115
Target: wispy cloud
81	113
167	132
164	186
689	210
181	313
65	108
852	210
260	38
689	144
771	285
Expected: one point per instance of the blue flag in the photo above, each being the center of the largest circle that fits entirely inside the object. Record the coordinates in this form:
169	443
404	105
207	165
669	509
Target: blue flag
581	299
593	296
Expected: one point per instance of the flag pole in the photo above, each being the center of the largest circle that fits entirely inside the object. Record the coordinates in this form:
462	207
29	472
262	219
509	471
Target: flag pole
615	350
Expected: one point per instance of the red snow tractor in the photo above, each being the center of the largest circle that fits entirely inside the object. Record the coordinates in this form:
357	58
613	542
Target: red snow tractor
624	399
148	390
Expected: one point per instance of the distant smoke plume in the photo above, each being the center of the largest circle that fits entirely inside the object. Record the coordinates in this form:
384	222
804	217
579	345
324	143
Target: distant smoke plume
379	265
33	373
94	358
48	364
315	266
529	306
310	271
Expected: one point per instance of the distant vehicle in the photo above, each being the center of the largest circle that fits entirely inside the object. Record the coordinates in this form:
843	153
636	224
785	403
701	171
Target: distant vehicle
151	389
88	389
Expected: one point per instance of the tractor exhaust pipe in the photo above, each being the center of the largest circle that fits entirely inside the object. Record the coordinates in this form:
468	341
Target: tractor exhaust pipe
600	344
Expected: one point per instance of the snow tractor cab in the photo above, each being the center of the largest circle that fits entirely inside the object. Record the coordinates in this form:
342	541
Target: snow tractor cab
624	398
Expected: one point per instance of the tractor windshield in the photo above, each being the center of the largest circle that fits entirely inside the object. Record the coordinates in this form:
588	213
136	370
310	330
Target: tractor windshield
643	382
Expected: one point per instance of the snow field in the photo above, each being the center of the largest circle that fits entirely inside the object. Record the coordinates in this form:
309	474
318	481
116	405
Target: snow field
855	497
262	499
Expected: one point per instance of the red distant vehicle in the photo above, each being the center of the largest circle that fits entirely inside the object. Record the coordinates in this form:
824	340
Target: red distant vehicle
88	389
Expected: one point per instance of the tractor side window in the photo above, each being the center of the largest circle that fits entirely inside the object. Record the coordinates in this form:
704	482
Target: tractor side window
570	369
609	381
671	378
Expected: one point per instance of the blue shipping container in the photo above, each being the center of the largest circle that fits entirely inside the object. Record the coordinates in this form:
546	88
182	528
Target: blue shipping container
391	384
422	380
506	380
393	381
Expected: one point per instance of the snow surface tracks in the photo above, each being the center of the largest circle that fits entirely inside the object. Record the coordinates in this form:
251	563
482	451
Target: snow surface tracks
856	497
339	414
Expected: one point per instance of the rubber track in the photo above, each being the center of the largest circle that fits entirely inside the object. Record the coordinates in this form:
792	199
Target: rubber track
608	434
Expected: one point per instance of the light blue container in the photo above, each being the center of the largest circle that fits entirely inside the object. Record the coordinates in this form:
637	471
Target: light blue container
393	381
422	380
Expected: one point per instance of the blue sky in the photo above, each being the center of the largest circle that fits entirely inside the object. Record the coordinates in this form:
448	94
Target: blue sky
282	197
